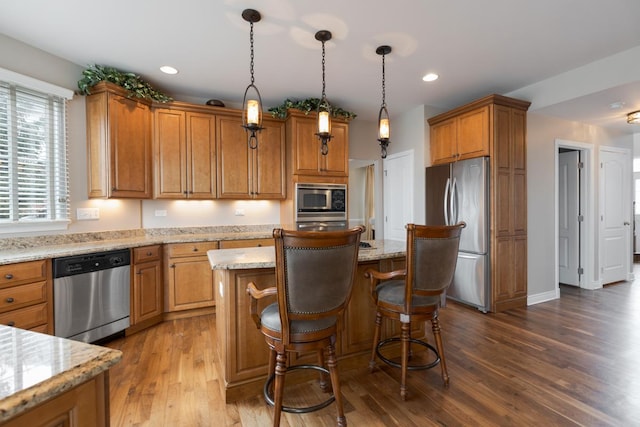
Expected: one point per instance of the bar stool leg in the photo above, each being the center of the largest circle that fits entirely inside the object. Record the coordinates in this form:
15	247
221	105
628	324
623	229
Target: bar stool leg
406	327
335	382
281	369
376	338
435	326
324	384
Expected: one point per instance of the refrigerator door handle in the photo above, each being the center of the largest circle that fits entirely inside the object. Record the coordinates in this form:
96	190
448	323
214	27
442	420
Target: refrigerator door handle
446	201
454	202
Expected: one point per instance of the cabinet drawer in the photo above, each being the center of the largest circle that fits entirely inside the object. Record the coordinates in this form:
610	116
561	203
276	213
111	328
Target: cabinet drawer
26	318
190	249
147	253
22	296
23	272
246	243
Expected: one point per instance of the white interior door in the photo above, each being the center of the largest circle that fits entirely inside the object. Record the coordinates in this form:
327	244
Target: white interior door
615	215
568	224
398	195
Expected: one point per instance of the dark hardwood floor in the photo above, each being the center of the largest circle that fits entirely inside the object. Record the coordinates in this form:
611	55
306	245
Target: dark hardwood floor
567	362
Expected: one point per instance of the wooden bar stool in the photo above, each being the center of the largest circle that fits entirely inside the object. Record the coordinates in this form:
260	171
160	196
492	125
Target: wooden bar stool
315	272
414	294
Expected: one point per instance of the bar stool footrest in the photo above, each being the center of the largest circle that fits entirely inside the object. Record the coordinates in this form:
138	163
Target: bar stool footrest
390	362
293	410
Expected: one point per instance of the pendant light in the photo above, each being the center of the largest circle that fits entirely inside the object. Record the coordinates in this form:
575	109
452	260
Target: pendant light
252	102
634	117
324	108
383	115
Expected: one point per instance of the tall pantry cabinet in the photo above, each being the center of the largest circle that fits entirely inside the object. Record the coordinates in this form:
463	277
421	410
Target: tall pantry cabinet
494	126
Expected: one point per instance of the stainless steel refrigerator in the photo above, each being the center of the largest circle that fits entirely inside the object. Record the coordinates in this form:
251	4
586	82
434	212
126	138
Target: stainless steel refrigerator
460	192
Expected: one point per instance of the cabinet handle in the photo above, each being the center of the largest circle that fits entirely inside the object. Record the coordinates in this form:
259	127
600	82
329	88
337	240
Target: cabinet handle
259	245
149	253
10	300
195	249
172	266
8	276
11	323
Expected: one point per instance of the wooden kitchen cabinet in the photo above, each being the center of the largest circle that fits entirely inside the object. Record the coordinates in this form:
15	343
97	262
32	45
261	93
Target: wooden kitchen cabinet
147	302
118	143
26	295
245	173
495	126
85	405
246	243
460	136
303	147
188	276
184	149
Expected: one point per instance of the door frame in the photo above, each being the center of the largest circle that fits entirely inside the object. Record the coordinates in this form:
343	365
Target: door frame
409	154
587	260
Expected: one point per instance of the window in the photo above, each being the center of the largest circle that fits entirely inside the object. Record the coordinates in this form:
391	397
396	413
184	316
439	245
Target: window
34	183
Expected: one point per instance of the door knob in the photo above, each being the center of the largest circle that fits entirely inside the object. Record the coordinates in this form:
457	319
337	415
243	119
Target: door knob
627	223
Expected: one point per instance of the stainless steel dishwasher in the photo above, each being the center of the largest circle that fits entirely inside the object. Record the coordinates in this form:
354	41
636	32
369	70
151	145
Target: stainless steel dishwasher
91	295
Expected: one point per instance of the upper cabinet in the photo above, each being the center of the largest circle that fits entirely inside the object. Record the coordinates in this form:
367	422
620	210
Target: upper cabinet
184	148
118	144
460	136
245	173
303	147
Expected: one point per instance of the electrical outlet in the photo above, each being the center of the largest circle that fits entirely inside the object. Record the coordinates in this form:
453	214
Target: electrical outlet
239	212
160	212
84	214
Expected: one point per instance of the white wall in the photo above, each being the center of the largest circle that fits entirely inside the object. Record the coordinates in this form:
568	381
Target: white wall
542	131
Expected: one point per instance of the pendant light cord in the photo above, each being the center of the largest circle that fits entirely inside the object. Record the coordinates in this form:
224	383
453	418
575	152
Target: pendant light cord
384	103
323	83
251	44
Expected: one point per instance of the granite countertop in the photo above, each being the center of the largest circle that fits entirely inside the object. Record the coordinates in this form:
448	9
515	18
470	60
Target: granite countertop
35	367
34	248
264	257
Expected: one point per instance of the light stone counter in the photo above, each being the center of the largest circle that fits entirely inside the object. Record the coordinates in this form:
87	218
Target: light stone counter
14	250
265	257
36	367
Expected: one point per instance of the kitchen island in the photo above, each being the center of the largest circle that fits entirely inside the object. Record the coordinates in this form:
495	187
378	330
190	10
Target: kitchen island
242	349
46	380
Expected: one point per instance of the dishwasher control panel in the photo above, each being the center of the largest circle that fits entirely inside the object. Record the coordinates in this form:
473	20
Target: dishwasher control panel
72	265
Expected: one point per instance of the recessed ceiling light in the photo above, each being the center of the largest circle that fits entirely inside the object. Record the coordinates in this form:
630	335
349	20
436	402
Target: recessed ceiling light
616	105
167	69
429	77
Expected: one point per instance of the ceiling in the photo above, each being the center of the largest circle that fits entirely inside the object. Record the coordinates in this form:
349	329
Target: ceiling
477	48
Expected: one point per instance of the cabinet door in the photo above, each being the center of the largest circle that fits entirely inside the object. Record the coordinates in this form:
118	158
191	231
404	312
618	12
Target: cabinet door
360	314
201	152
147	291
473	134
170	154
190	283
269	171
336	161
443	142
233	158
130	139
509	273
305	146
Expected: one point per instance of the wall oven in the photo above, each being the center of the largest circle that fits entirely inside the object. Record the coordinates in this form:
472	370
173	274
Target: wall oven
321	207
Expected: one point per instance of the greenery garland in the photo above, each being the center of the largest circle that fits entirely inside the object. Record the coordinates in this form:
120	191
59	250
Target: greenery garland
307	105
137	88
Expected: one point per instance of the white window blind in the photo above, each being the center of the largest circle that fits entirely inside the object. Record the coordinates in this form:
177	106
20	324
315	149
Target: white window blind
34	182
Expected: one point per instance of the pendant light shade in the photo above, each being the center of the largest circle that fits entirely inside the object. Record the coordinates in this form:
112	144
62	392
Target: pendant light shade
384	130
633	118
252	102
324	108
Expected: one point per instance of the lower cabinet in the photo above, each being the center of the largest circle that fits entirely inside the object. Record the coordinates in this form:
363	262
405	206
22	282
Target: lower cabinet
188	276
86	405
146	290
26	296
246	243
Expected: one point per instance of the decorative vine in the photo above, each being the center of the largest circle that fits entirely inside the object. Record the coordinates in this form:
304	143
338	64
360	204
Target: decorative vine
307	105
137	88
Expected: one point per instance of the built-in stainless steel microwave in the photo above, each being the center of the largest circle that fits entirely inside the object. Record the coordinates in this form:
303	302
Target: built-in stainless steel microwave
321	202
